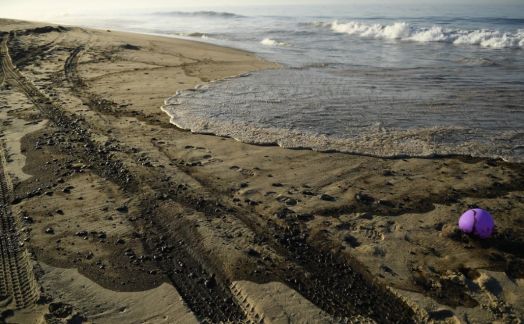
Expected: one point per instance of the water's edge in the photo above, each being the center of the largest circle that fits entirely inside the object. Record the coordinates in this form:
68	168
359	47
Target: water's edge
289	139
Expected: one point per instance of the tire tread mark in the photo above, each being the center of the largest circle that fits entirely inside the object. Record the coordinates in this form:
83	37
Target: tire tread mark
17	280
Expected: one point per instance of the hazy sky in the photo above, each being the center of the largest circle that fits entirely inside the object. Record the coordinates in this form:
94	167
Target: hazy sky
49	8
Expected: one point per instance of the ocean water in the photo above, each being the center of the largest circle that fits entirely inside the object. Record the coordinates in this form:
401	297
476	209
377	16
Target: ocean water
375	80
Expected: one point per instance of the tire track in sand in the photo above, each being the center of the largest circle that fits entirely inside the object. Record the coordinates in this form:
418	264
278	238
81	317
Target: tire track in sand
18	285
347	293
209	305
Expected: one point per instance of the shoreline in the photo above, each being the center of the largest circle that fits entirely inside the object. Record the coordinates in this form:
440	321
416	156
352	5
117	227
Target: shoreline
276	65
173	36
278	142
386	157
134	204
194	110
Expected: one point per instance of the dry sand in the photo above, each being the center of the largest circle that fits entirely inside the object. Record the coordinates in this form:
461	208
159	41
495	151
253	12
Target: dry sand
160	225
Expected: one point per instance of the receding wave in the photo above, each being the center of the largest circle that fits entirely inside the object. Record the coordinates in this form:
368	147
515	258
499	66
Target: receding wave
215	14
195	34
406	143
403	31
357	115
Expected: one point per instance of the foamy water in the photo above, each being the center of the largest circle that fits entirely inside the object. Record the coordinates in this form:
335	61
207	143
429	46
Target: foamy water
272	42
383	81
405	32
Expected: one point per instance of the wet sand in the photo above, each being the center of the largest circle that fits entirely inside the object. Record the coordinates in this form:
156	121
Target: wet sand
110	202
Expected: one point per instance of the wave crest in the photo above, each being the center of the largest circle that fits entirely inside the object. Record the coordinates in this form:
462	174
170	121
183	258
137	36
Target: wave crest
272	42
405	32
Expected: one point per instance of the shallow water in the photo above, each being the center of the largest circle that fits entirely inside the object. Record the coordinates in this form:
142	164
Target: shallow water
369	80
358	110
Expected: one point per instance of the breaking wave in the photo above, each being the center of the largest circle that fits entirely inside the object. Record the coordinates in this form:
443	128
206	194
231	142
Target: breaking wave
405	32
208	14
272	42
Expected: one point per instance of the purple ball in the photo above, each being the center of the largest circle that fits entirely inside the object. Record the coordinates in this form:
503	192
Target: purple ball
477	221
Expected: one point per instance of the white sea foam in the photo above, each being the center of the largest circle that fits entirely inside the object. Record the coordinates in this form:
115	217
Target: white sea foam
272	42
373	141
398	30
405	32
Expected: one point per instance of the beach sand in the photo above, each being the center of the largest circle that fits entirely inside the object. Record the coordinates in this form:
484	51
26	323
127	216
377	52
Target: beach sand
123	217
